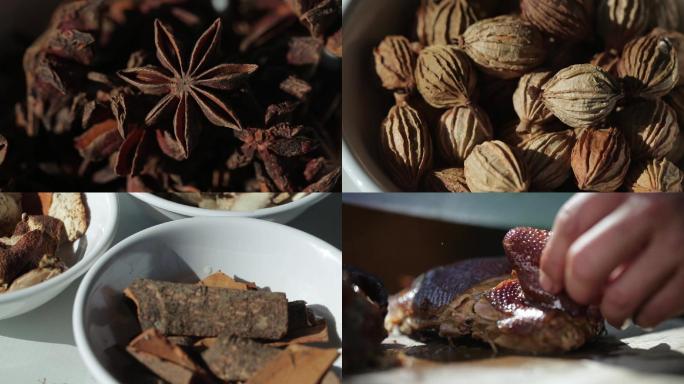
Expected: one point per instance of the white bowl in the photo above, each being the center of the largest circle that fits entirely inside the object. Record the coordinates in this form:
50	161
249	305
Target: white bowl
162	209
366	103
103	222
272	255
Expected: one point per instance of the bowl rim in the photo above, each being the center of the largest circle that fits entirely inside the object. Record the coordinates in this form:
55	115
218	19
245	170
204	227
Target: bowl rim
356	172
188	210
76	270
352	167
78	326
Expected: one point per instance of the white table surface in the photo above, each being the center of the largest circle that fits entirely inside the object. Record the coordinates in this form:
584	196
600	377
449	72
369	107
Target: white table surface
38	347
632	356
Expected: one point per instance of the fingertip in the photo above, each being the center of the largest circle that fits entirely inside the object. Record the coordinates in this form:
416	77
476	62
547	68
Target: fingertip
551	266
626	324
546	283
615	319
648	321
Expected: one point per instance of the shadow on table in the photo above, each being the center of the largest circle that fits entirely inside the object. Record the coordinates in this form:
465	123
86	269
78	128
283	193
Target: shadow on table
659	359
49	323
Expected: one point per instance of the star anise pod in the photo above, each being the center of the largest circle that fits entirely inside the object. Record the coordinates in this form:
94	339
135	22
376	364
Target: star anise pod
269	145
188	84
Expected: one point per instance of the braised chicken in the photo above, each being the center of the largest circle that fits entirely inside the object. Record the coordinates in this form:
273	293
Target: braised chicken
498	301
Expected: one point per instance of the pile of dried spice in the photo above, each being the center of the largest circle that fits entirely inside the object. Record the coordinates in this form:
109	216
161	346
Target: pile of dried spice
231	201
172	95
541	95
37	234
225	330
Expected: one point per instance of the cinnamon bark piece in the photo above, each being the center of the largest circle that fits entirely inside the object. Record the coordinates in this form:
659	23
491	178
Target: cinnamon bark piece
196	310
235	359
166	360
297	364
221	280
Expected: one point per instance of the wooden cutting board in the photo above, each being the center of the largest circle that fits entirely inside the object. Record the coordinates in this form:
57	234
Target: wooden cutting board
623	357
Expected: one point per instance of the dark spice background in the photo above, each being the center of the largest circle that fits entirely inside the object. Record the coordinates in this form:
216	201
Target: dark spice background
295	43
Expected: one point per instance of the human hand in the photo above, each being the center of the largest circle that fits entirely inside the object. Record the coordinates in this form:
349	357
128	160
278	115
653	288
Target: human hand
624	252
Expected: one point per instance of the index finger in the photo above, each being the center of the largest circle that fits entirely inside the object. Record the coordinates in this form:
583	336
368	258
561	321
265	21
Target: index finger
577	216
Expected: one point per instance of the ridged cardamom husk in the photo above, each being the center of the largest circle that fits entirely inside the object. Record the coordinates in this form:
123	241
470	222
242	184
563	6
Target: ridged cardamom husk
649	67
665	14
655	175
460	129
677	40
677	152
676	100
563	19
442	22
406	145
600	160
650	127
493	166
619	21
447	180
547	158
395	62
527	99
582	95
444	76
504	46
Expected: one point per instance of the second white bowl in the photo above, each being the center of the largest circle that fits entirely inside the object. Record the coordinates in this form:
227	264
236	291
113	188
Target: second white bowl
366	103
272	255
102	226
162	209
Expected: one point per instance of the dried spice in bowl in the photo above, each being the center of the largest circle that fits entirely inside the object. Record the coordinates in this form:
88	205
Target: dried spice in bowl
230	201
36	232
227	330
538	95
171	95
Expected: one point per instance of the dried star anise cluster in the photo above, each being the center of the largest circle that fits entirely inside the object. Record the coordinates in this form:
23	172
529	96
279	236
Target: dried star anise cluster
172	95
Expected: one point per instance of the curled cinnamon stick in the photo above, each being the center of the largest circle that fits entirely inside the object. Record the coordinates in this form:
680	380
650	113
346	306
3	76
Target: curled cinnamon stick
201	311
